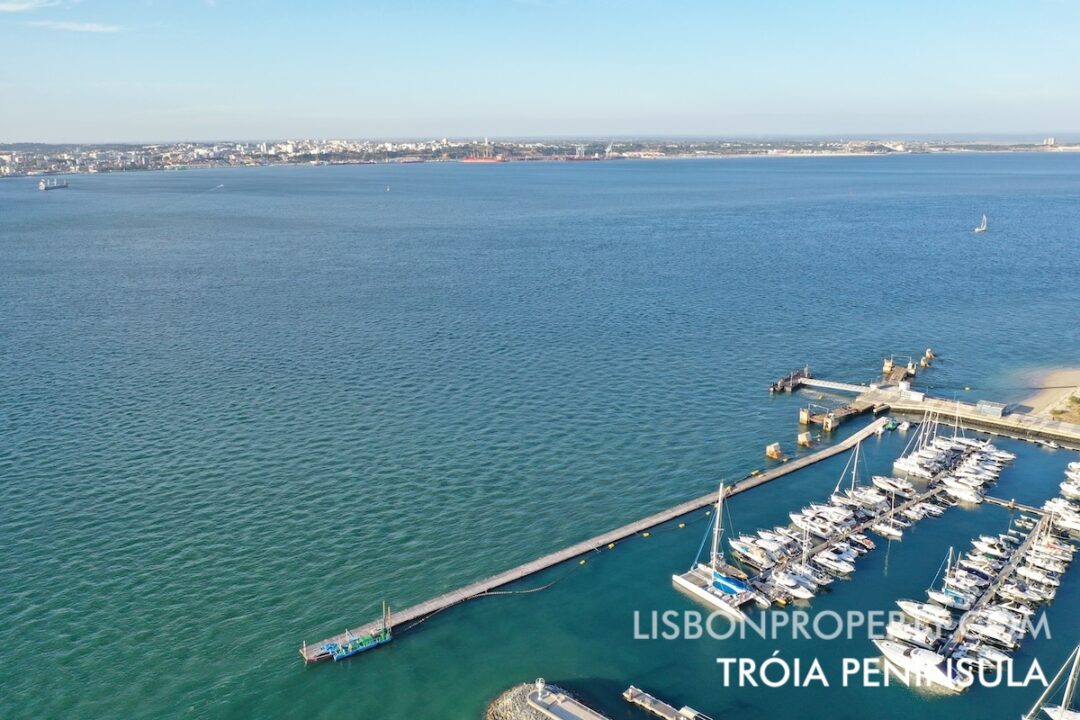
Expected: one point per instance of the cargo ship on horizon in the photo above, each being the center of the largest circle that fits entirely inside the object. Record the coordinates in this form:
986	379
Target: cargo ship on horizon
52	184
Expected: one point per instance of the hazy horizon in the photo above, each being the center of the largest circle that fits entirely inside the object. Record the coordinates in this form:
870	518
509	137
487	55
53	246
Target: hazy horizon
97	72
971	138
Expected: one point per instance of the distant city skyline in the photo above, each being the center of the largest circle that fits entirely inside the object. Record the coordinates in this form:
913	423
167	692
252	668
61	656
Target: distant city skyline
97	72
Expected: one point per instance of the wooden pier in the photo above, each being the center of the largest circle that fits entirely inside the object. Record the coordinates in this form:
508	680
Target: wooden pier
1013	505
991	590
312	652
659	708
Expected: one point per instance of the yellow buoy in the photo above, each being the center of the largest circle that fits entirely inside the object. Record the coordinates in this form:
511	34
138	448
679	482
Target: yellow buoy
682	525
644	534
611	546
581	563
968	388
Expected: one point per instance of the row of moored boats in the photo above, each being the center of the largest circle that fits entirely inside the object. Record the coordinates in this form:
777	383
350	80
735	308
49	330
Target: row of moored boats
797	561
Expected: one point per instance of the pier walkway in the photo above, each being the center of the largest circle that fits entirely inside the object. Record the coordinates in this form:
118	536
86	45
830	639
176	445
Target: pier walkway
312	652
1013	505
991	590
659	708
831	385
559	706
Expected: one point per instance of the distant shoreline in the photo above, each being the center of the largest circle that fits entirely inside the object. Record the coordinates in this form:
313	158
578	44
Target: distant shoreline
1069	151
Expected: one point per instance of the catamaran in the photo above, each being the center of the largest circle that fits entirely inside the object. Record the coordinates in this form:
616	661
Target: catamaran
717	583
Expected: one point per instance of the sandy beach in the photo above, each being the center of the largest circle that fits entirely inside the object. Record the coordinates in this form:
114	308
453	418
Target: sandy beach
1056	393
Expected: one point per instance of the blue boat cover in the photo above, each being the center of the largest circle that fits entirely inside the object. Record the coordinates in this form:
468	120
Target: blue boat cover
728	585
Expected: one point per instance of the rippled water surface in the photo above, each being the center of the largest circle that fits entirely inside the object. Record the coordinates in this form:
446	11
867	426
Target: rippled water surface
239	408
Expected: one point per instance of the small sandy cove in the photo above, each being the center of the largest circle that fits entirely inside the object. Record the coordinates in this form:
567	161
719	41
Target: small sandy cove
1056	394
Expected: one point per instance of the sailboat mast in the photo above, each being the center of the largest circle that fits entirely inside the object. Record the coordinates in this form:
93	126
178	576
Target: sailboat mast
714	556
1034	711
1070	688
855	465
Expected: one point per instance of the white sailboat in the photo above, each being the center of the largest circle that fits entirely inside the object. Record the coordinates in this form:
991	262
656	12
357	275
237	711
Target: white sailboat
982	225
1062	711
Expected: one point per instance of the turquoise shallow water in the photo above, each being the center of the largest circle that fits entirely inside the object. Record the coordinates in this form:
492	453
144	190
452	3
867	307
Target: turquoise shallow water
237	417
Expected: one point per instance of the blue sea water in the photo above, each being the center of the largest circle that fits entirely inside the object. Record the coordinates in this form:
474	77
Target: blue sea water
239	408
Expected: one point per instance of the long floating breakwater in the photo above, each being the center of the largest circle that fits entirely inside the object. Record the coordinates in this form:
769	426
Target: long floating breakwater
332	647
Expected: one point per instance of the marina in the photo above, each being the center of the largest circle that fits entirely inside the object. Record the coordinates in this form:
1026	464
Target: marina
789	563
996	588
769	580
322	650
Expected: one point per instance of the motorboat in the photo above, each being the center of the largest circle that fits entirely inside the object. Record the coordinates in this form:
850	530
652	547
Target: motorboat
927	665
934	615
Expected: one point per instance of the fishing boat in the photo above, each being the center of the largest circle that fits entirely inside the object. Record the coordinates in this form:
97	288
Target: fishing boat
717	583
982	226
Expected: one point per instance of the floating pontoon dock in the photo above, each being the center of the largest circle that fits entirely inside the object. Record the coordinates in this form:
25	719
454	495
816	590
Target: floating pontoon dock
313	652
1006	572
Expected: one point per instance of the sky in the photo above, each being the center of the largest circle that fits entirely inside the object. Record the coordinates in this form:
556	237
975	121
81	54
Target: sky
160	70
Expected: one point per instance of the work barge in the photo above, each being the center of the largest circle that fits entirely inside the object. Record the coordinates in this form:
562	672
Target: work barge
325	649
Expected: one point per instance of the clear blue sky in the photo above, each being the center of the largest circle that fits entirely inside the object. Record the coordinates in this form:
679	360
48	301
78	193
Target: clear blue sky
122	70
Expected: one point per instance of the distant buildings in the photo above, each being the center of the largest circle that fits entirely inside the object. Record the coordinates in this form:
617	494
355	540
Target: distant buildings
40	159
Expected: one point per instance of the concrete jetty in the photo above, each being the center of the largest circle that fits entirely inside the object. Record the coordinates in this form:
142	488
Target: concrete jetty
314	652
558	705
992	417
659	708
